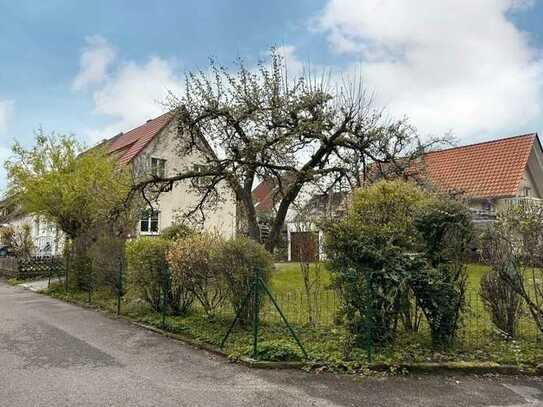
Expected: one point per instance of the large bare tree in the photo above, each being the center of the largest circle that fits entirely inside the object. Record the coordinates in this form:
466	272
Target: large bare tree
251	124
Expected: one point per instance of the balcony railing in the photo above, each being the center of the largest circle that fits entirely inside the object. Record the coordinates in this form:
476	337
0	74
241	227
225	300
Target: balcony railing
523	201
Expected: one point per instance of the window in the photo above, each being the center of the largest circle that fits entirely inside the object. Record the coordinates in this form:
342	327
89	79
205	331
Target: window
527	192
158	167
149	223
199	181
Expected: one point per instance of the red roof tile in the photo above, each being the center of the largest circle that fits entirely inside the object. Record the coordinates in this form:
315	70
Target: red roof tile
128	145
485	170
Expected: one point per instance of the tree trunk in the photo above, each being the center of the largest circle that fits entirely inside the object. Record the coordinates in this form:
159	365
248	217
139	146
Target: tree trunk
251	217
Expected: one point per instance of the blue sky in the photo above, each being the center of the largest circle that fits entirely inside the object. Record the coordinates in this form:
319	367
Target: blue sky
473	67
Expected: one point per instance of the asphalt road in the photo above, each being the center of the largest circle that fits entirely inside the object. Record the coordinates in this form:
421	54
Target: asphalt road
56	354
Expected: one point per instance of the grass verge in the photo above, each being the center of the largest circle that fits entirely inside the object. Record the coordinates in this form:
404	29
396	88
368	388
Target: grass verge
327	347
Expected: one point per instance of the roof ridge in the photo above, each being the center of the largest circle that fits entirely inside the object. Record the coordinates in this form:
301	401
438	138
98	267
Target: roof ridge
534	135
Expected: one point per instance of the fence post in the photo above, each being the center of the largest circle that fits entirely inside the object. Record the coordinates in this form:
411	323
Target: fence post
369	321
49	273
256	313
119	287
165	276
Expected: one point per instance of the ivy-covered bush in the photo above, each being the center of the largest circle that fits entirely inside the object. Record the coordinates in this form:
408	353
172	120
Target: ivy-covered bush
445	230
369	257
239	261
193	268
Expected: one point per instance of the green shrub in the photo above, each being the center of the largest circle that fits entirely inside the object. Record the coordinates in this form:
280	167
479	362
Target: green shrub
239	261
398	242
445	230
176	232
193	269
147	274
368	254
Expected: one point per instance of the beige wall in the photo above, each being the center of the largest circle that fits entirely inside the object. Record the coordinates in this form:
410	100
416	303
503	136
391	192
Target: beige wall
172	204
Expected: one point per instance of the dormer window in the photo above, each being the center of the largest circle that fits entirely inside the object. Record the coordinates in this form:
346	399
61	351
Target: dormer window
158	167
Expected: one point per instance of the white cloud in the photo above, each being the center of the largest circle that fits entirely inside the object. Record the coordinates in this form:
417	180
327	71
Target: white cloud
95	59
134	93
448	64
6	112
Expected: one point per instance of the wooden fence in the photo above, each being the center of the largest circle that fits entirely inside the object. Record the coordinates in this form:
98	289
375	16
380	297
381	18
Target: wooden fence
31	267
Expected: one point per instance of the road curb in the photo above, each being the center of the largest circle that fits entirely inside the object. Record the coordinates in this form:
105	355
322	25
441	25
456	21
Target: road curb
464	368
457	368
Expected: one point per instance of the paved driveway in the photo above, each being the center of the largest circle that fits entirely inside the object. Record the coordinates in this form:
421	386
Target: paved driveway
56	354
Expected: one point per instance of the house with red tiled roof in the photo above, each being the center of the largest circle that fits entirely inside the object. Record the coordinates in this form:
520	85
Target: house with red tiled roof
153	146
489	175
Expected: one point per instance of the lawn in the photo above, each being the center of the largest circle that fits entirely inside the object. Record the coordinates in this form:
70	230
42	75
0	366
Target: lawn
326	341
288	277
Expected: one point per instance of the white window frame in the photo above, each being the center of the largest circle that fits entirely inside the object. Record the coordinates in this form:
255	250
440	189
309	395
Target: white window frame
158	166
149	220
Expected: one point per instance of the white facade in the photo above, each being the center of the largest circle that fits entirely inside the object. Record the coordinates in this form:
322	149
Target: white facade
47	238
162	150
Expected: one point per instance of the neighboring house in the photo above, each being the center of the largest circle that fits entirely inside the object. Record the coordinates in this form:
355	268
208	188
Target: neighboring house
300	232
304	237
151	146
46	237
265	197
154	146
488	176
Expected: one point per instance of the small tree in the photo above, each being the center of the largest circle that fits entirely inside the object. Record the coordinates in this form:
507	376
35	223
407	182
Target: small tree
20	241
502	303
69	188
309	258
